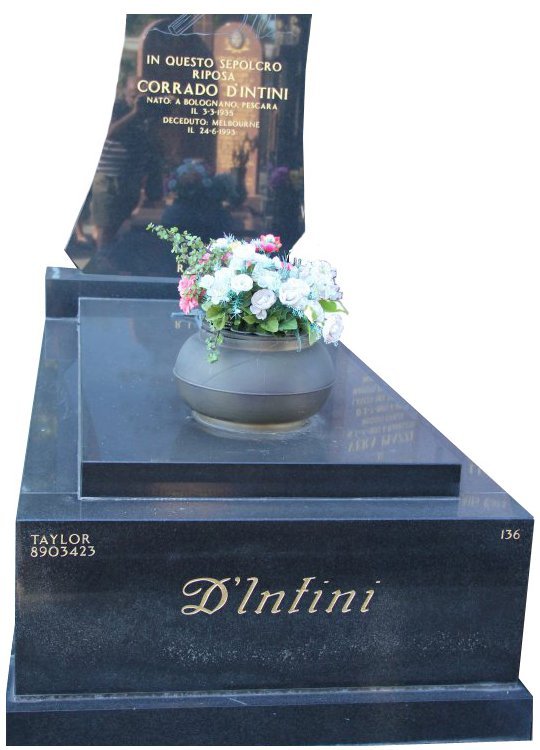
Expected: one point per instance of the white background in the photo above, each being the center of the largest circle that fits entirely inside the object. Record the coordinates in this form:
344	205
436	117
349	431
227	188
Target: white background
422	153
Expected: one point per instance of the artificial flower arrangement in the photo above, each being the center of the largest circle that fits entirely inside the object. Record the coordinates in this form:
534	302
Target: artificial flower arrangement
248	287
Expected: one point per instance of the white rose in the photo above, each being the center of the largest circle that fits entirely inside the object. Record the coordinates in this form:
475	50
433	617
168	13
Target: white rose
294	293
219	293
334	292
245	252
224	275
206	281
267	279
325	268
236	264
221	287
332	328
261	301
262	260
241	283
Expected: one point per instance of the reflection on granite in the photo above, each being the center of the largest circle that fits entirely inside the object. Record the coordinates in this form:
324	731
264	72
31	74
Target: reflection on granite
449	585
130	405
136	428
206	136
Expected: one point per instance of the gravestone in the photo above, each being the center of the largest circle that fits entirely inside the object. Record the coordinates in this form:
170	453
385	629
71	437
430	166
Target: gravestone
206	134
359	580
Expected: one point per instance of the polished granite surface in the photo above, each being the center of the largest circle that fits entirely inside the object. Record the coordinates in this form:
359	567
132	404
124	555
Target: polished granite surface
139	438
450	585
236	167
128	403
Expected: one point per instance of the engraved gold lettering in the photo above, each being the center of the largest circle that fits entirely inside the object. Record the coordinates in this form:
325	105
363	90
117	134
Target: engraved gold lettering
299	594
60	544
189	62
313	605
213	594
264	598
251	589
369	597
214	585
337	594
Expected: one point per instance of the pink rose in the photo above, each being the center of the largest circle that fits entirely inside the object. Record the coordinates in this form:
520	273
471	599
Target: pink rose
185	283
188	304
188	294
269	243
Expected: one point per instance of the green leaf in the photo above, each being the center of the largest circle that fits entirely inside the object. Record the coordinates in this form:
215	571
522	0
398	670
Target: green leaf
271	325
216	316
288	325
212	311
250	318
219	321
329	305
313	335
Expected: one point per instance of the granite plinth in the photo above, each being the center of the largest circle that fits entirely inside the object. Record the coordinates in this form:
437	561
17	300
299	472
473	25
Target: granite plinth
405	594
138	438
120	619
272	717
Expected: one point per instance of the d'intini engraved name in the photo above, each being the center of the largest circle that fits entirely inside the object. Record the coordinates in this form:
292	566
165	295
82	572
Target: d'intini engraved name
213	594
175	88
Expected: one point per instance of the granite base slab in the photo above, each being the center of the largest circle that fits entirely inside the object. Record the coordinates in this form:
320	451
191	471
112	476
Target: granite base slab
438	713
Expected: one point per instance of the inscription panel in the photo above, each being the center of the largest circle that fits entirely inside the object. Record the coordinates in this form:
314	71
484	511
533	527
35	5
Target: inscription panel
206	134
206	605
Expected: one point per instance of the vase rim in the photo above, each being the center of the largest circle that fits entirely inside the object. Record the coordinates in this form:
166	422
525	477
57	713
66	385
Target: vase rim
260	341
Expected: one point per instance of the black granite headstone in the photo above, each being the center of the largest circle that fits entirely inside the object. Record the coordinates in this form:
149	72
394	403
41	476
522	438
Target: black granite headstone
206	134
359	580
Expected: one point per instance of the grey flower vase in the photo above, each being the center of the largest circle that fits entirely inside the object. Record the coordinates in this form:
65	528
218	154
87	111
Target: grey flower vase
259	383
